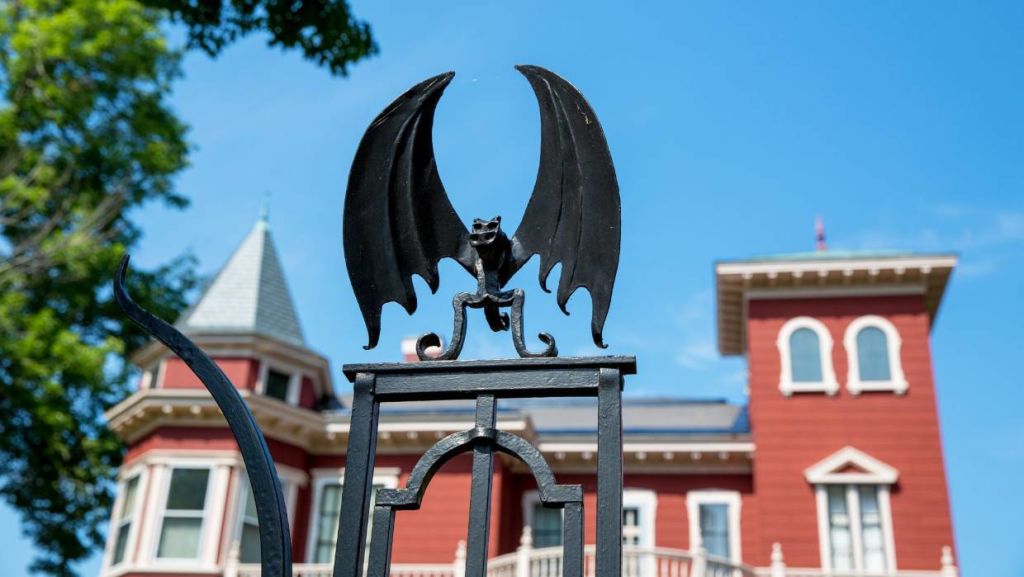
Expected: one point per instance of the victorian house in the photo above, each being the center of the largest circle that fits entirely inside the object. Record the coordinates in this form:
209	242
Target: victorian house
833	466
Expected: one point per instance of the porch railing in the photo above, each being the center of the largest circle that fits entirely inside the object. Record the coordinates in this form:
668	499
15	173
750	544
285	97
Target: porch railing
636	562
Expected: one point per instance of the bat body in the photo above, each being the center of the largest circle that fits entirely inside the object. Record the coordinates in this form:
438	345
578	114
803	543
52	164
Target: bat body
398	220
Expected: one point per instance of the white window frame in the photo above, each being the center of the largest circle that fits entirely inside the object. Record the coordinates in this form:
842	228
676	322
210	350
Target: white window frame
897	382
294	379
869	471
204	516
828	384
212	515
645	500
142	474
386	477
732	499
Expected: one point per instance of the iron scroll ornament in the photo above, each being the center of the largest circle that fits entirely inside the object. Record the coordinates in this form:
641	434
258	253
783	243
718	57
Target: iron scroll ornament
275	540
398	220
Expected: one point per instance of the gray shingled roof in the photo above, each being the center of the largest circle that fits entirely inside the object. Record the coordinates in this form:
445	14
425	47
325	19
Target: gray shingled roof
573	417
248	295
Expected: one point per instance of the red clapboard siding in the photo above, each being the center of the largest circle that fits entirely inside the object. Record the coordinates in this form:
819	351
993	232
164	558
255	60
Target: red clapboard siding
793	433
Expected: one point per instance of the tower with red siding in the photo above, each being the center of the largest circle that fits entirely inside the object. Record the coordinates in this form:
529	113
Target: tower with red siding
849	472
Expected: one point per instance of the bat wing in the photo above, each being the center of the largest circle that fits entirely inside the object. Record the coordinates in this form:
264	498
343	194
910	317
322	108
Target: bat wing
398	220
573	216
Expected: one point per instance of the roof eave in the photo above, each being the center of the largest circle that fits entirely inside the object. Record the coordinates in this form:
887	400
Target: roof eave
810	277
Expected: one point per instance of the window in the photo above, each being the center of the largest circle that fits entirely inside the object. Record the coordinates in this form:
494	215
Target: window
856	535
277	385
249	529
327	523
182	522
124	516
854	515
327	509
873	355
638	507
715	522
546	526
714	528
873	351
805	355
631	529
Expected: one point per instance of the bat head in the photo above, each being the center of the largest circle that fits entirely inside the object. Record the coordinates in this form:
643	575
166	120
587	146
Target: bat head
486	233
490	243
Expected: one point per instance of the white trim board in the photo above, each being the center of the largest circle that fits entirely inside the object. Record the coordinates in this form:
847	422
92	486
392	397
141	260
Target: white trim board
871	470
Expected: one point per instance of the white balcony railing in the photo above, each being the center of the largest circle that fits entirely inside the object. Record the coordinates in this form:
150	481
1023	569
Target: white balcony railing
636	562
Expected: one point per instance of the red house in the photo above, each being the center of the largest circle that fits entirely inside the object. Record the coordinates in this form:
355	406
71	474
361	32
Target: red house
834	467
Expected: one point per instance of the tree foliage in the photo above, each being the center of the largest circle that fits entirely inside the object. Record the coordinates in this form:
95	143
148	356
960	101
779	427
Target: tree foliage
324	30
86	137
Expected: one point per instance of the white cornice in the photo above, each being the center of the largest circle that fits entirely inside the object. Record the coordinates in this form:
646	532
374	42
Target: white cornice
923	263
737	283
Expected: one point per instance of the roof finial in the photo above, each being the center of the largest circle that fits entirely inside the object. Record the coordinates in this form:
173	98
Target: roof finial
265	209
819	233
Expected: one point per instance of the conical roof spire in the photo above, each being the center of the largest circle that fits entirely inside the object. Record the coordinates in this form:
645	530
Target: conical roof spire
248	295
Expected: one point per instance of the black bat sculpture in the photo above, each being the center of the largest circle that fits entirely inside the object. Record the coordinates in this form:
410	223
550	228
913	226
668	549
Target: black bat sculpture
399	221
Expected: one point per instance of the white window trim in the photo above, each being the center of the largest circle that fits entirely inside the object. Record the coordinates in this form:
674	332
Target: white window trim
828	384
384	476
874	472
829	469
897	382
645	500
733	499
142	474
294	381
212	516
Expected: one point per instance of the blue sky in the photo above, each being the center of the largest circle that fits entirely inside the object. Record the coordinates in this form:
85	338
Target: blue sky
732	124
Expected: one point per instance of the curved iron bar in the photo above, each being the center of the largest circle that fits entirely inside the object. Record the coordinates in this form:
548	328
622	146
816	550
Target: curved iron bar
550	348
457	443
275	541
515	298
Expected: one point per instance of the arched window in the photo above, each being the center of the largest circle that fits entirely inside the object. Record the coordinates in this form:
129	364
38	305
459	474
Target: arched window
805	356
873	350
805	350
873	355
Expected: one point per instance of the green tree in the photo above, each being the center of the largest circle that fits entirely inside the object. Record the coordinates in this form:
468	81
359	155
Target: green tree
86	136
